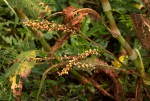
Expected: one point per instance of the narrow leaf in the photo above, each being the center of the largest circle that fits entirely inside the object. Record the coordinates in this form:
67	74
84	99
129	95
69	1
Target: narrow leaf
12	69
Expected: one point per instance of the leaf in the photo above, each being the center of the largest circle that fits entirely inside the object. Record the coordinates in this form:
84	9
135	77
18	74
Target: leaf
49	35
30	7
141	26
9	6
26	55
85	25
25	69
52	82
33	93
26	65
8	40
148	71
147	82
23	64
12	69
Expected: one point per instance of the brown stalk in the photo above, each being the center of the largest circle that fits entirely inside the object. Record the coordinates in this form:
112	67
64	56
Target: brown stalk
54	14
90	81
138	91
59	43
103	91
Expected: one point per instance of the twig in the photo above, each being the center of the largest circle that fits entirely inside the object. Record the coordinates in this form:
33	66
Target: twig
54	14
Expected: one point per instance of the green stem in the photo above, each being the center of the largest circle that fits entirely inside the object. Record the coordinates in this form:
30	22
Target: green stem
107	9
45	44
38	34
134	55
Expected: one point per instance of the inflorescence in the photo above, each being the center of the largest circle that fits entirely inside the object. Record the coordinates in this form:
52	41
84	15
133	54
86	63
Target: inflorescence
46	25
72	61
75	61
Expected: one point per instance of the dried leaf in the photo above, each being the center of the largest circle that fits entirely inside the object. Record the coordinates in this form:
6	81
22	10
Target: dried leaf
142	28
72	18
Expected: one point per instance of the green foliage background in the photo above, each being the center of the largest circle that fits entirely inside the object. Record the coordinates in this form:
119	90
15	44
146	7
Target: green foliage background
15	38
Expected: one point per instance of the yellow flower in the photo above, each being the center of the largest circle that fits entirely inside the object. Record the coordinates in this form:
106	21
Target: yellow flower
117	64
138	6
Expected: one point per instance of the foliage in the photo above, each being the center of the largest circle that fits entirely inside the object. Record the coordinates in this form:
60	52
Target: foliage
84	62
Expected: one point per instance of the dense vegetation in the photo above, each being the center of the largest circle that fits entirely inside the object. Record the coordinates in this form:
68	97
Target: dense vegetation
74	50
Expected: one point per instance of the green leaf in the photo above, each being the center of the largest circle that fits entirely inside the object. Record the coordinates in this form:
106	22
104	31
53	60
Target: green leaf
147	81
148	71
8	40
12	69
30	7
28	65
22	57
33	93
17	79
49	35
52	82
85	25
26	55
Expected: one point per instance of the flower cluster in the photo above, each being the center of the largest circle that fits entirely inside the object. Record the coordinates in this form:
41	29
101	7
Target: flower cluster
66	57
40	59
46	25
85	66
74	61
